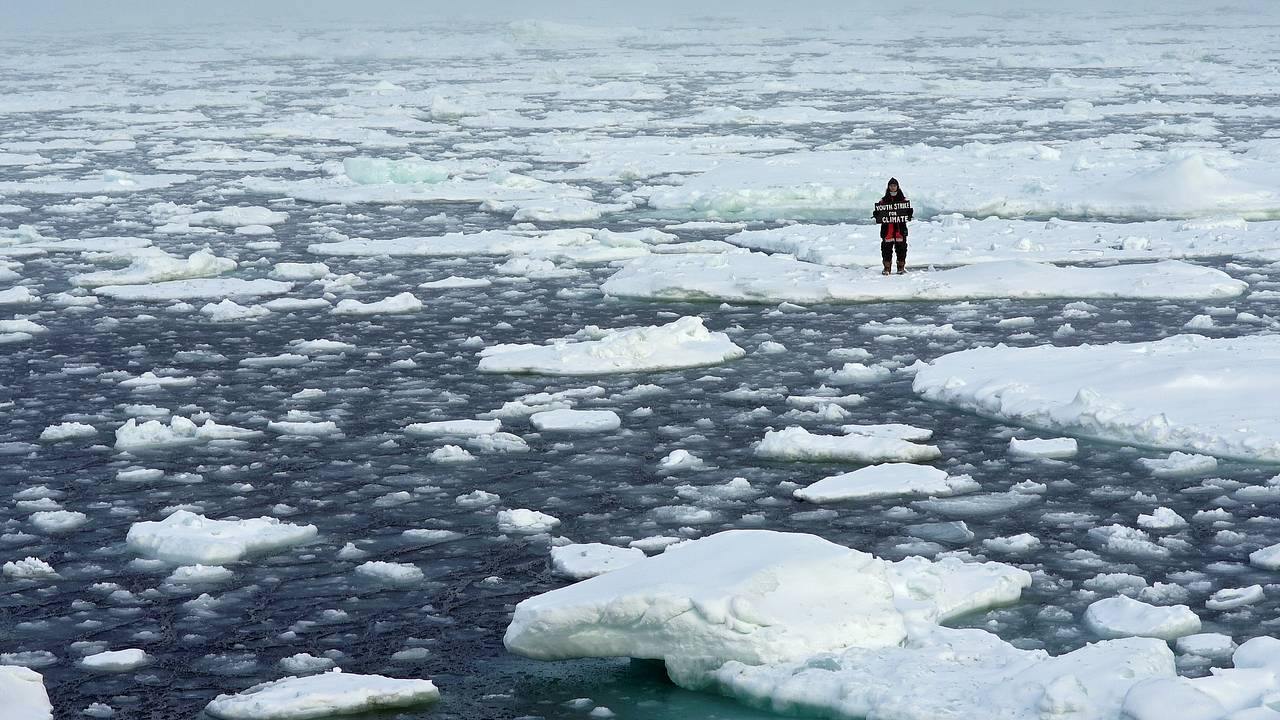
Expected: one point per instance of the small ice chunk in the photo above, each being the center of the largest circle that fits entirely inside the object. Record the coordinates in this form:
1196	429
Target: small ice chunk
189	539
1268	558
525	522
580	561
886	480
581	421
390	572
1043	447
1211	645
1179	464
1228	598
67	431
796	443
443	428
117	660
1122	616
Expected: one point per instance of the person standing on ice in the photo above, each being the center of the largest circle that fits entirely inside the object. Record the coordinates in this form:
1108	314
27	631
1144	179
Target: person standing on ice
892	213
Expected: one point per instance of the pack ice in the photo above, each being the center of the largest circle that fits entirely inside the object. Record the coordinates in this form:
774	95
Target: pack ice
1186	392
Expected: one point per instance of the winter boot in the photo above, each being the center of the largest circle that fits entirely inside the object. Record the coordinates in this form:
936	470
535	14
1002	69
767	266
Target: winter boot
886	268
902	268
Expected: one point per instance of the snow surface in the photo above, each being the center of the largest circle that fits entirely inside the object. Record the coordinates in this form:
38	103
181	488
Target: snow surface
1186	392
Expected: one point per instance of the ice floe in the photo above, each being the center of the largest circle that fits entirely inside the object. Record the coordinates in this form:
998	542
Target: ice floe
1185	392
760	278
679	344
796	443
325	695
186	538
886	480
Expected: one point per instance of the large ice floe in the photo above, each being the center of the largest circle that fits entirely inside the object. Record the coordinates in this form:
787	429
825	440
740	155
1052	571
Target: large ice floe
958	240
797	624
679	344
1186	392
321	696
760	278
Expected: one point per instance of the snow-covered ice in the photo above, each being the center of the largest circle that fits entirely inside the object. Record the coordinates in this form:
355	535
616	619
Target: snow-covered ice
796	443
1186	392
760	278
189	538
325	695
683	343
886	480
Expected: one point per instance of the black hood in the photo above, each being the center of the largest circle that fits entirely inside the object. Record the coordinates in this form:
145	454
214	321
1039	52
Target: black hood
887	197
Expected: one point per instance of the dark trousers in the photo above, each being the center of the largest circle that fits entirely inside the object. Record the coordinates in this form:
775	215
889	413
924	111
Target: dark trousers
887	249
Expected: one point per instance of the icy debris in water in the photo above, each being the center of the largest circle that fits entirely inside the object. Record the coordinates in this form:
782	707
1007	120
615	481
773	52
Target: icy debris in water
390	572
231	311
67	431
853	373
1125	617
1013	545
117	660
154	434
405	302
1229	598
29	568
455	282
199	574
58	521
1162	518
478	498
796	443
444	428
1210	645
579	421
323	695
450	454
886	480
525	522
1179	464
680	460
680	344
1043	447
189	539
499	442
306	664
1268	558
351	552
299	271
580	561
